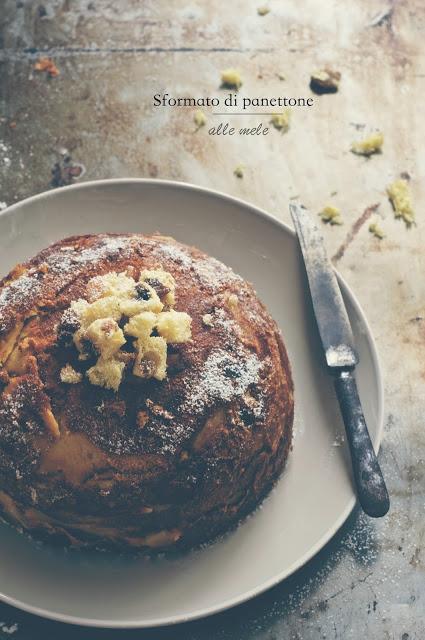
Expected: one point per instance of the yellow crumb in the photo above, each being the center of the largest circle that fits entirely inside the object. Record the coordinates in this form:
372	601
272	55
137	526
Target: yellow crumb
281	121
199	118
231	78
174	326
239	171
106	336
376	231
370	145
331	215
399	196
106	373
155	277
151	359
263	11
141	325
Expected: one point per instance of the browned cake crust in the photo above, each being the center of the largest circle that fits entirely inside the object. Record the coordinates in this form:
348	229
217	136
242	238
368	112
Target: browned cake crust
157	464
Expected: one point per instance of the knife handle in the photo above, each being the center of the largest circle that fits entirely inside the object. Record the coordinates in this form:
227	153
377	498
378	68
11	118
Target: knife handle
370	483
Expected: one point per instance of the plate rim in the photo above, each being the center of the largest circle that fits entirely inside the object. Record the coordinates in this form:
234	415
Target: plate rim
333	529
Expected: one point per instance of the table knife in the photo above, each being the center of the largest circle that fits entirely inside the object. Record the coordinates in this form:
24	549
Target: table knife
341	358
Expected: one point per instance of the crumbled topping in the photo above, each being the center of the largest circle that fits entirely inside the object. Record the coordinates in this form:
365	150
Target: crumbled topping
147	305
370	145
231	79
106	373
162	282
331	215
151	359
400	198
239	171
141	325
174	326
106	336
69	375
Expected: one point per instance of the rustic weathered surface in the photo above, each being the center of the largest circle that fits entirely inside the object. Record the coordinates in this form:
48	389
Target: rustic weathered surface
370	580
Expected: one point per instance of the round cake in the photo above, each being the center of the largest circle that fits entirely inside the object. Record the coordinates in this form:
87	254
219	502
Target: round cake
146	397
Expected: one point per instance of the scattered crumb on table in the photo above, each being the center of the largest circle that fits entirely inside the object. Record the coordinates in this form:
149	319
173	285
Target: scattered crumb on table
399	195
376	231
199	118
331	215
47	65
370	145
281	121
231	79
325	81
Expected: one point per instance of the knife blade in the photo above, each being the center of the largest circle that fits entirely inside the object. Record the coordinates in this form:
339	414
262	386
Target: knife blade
341	357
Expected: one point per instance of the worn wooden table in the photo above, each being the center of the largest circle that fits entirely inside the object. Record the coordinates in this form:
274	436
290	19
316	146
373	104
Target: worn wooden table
96	119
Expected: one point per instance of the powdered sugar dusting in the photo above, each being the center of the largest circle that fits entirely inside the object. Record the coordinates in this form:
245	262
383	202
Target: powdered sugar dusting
223	377
67	261
210	272
23	291
18	293
12	408
214	274
176	254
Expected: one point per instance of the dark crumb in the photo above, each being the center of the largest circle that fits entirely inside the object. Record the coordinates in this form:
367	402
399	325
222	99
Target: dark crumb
65	172
48	66
325	81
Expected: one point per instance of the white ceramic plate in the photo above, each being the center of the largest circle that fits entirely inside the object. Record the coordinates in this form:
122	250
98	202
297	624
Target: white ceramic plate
315	494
